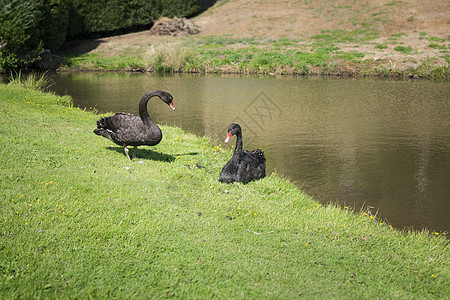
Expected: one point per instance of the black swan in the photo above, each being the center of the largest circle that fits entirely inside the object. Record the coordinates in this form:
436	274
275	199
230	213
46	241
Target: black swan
126	129
244	166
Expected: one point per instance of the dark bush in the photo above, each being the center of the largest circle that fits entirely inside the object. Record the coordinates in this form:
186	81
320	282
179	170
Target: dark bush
19	45
28	26
52	27
88	18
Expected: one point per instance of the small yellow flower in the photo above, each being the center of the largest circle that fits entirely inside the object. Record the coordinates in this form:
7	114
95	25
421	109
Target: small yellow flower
432	275
22	196
436	233
306	245
317	204
255	214
365	214
371	217
26	223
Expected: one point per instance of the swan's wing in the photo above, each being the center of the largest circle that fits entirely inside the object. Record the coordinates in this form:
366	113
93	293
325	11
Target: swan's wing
122	121
123	128
252	159
252	165
229	172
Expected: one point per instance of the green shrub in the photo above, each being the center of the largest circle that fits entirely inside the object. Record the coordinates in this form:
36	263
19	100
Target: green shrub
52	27
28	26
169	58
18	44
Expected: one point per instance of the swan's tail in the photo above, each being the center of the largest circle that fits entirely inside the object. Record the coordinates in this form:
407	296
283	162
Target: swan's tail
102	129
101	123
259	154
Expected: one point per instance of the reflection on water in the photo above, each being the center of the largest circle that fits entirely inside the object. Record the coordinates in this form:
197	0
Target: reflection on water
383	144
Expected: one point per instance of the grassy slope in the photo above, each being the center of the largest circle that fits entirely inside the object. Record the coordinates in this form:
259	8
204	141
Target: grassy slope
78	220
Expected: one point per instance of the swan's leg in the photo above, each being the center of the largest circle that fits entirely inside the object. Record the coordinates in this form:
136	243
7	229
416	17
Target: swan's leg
126	152
134	152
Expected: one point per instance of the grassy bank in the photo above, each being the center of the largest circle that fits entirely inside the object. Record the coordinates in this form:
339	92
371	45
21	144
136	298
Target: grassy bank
335	53
79	221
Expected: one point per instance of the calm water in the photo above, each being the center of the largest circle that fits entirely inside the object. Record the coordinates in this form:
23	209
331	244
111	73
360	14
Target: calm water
383	144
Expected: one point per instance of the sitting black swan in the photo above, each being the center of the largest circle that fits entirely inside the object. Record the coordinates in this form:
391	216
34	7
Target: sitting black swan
244	166
126	129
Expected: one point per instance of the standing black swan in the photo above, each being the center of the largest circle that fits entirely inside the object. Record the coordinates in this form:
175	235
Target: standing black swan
244	166
126	129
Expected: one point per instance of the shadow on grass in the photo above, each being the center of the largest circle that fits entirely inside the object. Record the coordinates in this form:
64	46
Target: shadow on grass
149	154
79	47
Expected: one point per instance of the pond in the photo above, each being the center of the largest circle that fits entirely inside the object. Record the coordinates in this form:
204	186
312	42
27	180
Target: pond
382	145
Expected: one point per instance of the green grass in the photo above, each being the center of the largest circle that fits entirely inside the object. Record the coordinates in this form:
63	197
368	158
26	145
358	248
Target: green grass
248	59
79	221
97	62
403	49
344	36
226	54
37	81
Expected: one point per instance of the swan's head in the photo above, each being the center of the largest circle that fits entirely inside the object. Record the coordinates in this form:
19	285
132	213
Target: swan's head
167	98
232	130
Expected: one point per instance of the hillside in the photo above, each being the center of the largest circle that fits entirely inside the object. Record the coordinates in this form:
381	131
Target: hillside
305	18
391	33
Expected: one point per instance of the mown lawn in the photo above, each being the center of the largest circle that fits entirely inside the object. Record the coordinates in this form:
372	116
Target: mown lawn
78	220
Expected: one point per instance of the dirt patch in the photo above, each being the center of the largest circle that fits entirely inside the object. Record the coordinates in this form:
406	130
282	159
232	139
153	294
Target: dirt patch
295	19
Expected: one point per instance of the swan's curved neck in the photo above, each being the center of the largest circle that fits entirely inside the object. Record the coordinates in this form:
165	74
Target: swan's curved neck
238	148
143	107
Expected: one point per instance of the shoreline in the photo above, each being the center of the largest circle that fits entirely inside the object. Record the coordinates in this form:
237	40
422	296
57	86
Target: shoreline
358	74
321	55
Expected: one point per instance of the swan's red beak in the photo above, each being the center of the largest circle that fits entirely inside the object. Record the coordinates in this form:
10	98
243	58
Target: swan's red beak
228	137
171	105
